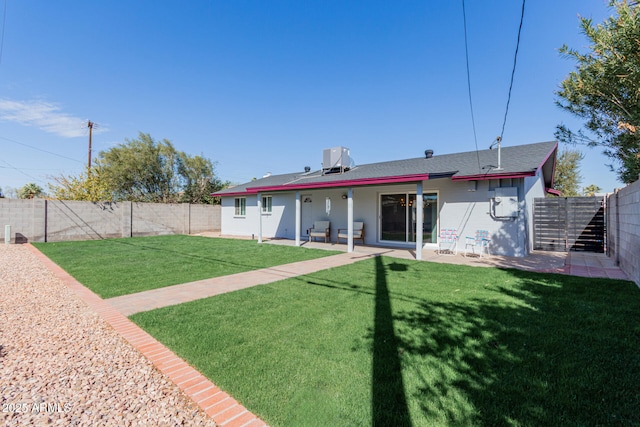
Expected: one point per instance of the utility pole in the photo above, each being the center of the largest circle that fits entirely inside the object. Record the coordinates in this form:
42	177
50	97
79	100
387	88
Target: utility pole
90	126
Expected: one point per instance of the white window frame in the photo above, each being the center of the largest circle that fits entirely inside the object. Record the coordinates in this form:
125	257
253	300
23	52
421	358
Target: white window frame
240	206
267	204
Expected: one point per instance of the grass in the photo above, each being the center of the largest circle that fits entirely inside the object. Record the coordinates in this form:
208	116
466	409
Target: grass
404	343
116	267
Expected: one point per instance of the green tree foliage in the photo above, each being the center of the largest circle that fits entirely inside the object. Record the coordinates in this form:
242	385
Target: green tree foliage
30	191
591	190
89	186
604	89
143	170
146	170
567	176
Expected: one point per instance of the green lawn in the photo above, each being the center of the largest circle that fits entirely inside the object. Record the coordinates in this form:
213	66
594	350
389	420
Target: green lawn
116	267
388	342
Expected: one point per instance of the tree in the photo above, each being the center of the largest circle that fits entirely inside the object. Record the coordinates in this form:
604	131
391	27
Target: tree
89	186
199	179
30	190
604	89
567	176
143	170
146	170
591	190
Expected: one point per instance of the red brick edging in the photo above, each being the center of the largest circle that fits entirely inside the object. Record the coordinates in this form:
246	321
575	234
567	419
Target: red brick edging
220	406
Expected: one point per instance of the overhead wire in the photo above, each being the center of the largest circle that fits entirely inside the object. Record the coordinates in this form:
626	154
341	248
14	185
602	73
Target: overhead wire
466	51
513	71
40	149
21	171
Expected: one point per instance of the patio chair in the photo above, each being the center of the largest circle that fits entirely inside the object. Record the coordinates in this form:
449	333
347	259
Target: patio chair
320	229
358	232
448	242
479	243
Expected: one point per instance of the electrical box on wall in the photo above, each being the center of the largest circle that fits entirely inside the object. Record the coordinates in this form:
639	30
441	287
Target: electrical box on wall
505	202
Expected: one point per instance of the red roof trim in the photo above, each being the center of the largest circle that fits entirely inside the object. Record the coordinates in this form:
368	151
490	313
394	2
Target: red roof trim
236	193
332	184
485	177
555	159
547	157
343	183
554	192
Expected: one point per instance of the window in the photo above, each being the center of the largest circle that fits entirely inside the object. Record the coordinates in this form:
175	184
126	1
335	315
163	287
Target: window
241	206
266	204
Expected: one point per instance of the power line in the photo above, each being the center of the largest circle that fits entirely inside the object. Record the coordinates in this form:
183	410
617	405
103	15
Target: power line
513	71
40	149
22	172
466	51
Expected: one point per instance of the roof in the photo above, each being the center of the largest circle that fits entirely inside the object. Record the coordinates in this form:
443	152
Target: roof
516	162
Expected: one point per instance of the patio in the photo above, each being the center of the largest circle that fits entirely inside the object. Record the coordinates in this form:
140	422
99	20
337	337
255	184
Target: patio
574	263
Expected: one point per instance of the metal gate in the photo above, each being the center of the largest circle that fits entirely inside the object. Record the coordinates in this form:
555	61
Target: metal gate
564	224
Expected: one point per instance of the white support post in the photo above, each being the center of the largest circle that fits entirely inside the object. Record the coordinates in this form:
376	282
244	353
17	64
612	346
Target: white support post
298	220
259	218
419	205
350	219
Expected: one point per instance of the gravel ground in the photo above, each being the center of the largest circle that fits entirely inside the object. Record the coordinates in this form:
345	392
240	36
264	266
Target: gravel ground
61	364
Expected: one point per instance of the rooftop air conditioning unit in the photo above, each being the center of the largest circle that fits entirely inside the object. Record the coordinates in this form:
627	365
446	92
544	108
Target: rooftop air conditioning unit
335	160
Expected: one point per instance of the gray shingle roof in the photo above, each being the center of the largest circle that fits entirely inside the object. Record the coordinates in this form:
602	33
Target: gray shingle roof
515	160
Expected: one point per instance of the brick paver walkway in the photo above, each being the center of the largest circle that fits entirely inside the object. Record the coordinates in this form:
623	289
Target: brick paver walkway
178	294
587	264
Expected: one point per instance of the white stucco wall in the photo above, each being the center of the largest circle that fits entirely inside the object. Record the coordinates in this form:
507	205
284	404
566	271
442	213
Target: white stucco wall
533	187
460	209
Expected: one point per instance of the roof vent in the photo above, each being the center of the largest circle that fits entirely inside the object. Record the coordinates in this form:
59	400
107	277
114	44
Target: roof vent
307	169
267	175
428	154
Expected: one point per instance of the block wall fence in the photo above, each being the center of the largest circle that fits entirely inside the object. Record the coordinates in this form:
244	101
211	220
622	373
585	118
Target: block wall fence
39	220
623	229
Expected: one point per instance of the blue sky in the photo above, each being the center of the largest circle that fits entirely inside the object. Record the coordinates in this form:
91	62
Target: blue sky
264	86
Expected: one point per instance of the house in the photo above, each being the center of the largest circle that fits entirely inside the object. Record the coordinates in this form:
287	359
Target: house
489	190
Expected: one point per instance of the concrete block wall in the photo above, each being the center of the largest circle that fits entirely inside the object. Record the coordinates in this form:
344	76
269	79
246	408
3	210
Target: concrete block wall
26	218
73	220
204	218
149	219
623	229
40	220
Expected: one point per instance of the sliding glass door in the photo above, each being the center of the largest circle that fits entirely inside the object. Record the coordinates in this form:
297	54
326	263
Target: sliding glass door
398	217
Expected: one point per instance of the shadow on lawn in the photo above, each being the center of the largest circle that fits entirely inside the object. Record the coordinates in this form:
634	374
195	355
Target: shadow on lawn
543	349
389	404
559	354
243	264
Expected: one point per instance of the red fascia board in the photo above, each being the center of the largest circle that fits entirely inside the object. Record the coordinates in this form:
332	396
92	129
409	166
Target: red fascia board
485	177
553	177
554	192
547	157
235	193
342	183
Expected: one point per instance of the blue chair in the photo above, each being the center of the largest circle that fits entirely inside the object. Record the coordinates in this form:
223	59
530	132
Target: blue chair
478	244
